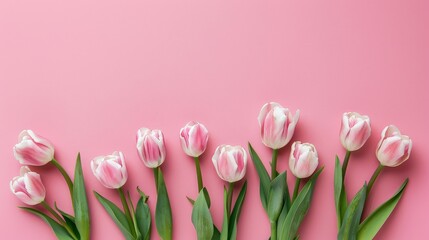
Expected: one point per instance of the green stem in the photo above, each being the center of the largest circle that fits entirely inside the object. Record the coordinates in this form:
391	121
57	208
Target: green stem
229	198
59	218
126	209
65	175
199	176
346	163
155	174
296	189
373	178
273	230
274	164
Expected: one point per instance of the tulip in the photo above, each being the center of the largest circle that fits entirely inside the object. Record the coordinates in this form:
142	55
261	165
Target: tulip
193	138
355	130
393	148
28	187
110	170
32	149
230	162
303	159
277	125
151	147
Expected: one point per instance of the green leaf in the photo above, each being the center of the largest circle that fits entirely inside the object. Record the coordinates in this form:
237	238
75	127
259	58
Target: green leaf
59	230
286	206
350	225
298	210
117	216
235	215
276	197
372	224
163	216
340	192
264	178
80	203
70	220
207	196
201	217
143	219
216	233
225	224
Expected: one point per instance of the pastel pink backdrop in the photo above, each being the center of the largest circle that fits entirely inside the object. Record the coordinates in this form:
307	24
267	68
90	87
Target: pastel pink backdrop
88	74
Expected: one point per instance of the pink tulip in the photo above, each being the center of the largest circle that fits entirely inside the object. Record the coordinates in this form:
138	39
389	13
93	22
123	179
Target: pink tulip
194	137
151	147
277	125
355	130
303	159
110	170
393	148
32	149
230	162
28	187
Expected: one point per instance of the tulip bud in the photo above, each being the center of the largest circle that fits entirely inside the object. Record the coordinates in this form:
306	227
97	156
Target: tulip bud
230	162
355	130
28	187
393	148
194	137
303	159
32	149
151	147
277	125
110	170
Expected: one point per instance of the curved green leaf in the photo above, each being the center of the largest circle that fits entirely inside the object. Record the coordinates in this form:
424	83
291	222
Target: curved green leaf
298	210
163	216
80	203
235	215
59	230
201	217
350	225
70	220
339	191
372	224
142	217
264	178
276	197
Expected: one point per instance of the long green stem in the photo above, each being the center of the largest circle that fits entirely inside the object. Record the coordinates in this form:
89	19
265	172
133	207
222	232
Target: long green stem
59	218
274	164
126	209
155	174
229	198
296	189
199	176
346	162
65	175
373	178
274	230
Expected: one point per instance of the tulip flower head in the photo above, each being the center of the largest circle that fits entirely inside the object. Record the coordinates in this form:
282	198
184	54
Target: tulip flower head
32	149
110	170
28	187
193	138
355	130
393	148
151	147
303	159
230	162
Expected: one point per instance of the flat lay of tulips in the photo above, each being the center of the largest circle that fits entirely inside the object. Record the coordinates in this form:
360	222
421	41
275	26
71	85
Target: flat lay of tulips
285	206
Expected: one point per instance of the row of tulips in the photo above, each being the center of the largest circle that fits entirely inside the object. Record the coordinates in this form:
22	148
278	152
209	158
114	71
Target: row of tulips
285	209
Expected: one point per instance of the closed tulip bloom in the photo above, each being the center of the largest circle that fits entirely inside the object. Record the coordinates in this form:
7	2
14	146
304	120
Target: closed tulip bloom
110	170
193	138
230	162
32	149
393	148
355	130
28	187
303	159
277	125
151	147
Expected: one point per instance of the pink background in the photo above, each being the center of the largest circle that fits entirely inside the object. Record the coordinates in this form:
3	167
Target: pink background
88	74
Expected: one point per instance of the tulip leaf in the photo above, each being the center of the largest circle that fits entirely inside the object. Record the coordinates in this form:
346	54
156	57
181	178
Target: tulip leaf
117	216
216	233
235	215
163	216
201	218
70	220
350	225
286	205
207	197
372	224
142	217
276	197
59	230
298	210
225	224
264	178
80	203
339	191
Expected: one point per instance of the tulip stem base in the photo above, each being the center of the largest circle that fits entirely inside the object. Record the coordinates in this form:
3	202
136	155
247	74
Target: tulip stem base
126	209
65	175
274	164
346	162
373	178
199	175
273	230
296	189
59	218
